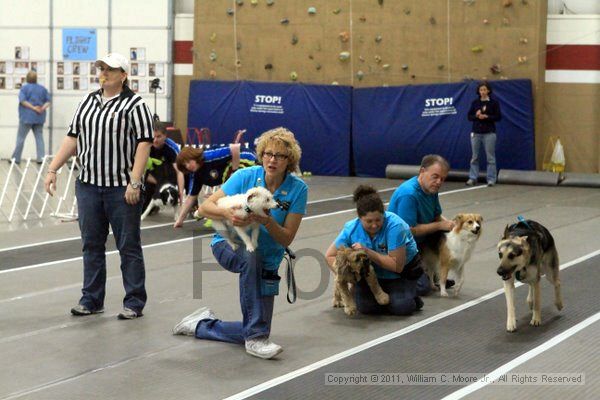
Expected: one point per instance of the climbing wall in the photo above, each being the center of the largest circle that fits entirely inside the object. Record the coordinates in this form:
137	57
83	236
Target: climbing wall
368	42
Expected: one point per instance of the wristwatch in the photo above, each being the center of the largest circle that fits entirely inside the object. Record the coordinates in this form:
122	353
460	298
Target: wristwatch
136	184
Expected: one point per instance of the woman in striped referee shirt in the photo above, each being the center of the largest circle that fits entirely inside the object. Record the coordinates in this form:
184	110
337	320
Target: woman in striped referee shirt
111	134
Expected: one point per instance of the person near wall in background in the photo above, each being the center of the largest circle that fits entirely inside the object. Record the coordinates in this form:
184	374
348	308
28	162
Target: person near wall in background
111	134
34	100
484	112
390	246
279	154
416	201
208	168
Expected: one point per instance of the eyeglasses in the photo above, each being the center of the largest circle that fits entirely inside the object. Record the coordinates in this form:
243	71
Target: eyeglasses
277	156
109	69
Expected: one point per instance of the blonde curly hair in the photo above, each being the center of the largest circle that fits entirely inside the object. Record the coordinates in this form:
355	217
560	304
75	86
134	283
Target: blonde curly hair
283	140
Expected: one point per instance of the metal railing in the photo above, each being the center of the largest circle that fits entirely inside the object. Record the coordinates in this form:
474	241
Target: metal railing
24	197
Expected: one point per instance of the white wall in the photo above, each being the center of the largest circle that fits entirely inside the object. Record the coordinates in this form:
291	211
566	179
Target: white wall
119	24
573	7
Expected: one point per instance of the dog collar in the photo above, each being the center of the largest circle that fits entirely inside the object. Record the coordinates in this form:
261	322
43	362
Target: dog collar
523	221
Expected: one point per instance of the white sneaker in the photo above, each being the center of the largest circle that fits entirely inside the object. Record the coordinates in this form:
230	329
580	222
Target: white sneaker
262	347
187	326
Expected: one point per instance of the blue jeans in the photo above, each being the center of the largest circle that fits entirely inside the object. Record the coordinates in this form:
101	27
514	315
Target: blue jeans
257	310
98	208
489	143
423	285
402	294
38	133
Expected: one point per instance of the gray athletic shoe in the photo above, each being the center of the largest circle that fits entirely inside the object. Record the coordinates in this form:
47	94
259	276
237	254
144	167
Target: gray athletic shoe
262	347
128	313
80	310
187	326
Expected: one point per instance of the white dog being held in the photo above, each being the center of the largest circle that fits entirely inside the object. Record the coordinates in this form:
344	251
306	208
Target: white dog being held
258	201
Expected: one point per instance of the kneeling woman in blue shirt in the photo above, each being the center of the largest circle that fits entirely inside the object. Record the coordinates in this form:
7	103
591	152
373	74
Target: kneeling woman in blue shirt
388	242
279	154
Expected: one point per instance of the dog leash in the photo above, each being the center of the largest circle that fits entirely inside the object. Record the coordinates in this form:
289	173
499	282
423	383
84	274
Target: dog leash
521	219
290	256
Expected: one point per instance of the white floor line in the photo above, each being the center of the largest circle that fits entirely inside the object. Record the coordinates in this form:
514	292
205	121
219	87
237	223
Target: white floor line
24	246
349	195
164	224
46	264
494	375
336	357
186	239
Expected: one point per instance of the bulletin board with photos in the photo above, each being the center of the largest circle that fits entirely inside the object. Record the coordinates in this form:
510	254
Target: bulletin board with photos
81	75
13	72
143	72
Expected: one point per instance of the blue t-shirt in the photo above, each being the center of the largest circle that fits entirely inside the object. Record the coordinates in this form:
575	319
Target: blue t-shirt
413	205
292	190
394	234
37	95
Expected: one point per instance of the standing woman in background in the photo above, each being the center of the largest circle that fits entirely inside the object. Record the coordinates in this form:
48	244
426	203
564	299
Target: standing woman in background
111	134
484	113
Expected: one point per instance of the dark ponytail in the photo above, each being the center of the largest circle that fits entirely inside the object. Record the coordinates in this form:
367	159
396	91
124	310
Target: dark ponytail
367	200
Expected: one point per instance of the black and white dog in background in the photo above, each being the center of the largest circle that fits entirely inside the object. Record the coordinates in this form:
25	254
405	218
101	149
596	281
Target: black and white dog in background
166	196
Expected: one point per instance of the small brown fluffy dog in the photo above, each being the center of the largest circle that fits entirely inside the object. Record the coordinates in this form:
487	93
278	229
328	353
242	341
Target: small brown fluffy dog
350	267
445	251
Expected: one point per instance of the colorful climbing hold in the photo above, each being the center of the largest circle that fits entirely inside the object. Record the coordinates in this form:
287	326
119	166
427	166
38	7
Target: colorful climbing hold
253	2
294	40
212	74
230	11
284	21
312	10
337	11
496	69
378	39
385	66
477	49
344	36
270	2
360	75
404	67
344	56
377	58
213	37
268	66
213	56
432	20
294	76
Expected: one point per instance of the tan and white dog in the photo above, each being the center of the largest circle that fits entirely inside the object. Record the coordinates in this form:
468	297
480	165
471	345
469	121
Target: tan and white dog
527	251
350	267
446	251
257	200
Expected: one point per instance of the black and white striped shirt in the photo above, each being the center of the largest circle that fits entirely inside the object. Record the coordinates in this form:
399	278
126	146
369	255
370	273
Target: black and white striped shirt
107	136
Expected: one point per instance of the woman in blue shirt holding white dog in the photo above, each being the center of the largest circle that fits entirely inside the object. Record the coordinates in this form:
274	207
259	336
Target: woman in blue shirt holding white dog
390	246
279	154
